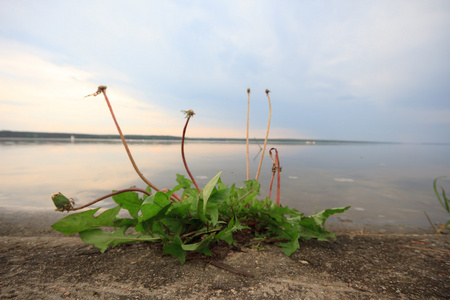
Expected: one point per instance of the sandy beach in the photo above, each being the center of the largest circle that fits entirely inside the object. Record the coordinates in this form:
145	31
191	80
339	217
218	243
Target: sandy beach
364	262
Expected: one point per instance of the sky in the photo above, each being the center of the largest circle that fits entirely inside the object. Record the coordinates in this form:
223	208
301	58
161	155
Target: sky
341	70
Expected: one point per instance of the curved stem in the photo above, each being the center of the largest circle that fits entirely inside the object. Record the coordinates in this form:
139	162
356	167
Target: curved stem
189	114
267	136
110	195
248	119
103	90
126	145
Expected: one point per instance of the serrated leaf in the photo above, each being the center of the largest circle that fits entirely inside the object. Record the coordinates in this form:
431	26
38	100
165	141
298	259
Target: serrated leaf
155	205
179	209
252	185
175	226
184	182
102	240
129	201
323	215
289	247
175	248
310	229
86	220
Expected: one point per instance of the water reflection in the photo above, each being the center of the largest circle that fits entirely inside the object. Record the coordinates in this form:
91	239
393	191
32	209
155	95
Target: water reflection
382	183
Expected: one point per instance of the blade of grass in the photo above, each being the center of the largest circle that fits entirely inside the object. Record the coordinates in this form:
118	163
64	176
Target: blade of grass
444	202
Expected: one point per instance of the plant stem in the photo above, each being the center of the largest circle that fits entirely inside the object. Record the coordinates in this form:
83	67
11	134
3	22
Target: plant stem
125	143
248	118
267	136
276	168
278	178
112	194
189	114
102	89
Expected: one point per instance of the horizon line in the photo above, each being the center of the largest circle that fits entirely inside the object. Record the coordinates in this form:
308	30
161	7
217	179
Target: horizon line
66	135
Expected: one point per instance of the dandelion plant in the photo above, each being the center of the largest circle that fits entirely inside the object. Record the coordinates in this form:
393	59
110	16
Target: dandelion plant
199	219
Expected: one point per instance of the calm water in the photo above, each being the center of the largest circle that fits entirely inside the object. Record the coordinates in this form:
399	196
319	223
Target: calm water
384	183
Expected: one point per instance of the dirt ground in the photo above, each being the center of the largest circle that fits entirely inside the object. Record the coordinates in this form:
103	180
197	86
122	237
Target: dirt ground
38	263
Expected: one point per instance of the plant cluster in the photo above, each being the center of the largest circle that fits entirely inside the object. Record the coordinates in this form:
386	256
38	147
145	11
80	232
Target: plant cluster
198	218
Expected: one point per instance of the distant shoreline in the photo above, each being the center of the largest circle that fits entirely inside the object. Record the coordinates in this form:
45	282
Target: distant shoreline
30	135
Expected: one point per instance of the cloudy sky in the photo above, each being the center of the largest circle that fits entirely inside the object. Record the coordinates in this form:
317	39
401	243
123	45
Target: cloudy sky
345	70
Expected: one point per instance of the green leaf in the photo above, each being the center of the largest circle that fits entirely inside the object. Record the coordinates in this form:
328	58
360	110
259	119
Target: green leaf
184	182
86	220
213	213
207	190
129	201
149	189
227	236
323	215
201	247
175	226
310	229
219	196
179	209
252	186
175	248
155	205
102	240
289	247
445	201
227	233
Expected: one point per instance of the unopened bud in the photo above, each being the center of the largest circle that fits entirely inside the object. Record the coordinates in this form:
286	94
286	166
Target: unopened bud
61	202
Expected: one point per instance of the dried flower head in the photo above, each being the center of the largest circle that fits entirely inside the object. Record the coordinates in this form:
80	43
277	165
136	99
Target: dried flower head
248	91
267	91
189	113
100	89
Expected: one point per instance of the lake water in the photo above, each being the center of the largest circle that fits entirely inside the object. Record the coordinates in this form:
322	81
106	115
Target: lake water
384	183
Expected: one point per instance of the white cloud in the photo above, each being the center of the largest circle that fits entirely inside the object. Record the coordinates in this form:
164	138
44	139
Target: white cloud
383	51
42	95
317	58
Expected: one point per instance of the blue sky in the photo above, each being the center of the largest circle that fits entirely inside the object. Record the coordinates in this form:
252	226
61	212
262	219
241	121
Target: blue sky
345	70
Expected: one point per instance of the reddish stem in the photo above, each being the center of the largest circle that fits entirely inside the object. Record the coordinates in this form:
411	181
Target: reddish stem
248	119
267	136
102	89
278	179
189	114
112	194
276	168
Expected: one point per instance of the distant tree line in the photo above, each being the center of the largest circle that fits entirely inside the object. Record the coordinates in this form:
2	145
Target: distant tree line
53	135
